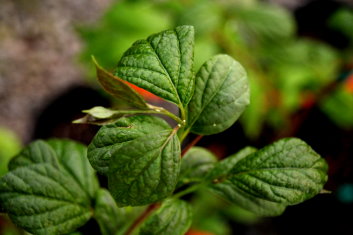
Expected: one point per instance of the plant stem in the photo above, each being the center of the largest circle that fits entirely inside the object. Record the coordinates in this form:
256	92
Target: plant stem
188	190
194	142
142	217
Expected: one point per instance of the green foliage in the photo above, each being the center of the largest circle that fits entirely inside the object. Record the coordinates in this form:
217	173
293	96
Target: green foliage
52	189
221	95
43	193
162	64
339	107
173	217
266	181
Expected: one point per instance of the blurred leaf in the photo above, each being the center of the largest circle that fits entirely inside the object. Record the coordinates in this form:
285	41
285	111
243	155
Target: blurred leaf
118	29
205	16
196	163
111	219
342	20
339	107
172	218
209	218
254	115
260	23
9	146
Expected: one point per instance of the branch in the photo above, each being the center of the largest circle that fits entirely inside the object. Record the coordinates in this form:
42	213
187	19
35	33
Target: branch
142	217
194	142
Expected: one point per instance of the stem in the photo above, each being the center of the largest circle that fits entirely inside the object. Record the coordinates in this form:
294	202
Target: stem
161	110
194	142
182	113
188	190
142	217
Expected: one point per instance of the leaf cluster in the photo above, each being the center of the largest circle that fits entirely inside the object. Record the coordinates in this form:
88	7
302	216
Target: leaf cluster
52	188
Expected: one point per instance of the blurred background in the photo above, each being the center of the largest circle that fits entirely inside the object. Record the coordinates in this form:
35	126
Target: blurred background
298	55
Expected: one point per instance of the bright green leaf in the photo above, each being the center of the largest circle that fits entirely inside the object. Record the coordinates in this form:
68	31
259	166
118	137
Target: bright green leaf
42	199
196	163
172	218
281	174
221	95
162	64
119	88
10	145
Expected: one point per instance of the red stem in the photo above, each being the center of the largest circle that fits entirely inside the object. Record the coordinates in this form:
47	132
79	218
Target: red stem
194	142
142	217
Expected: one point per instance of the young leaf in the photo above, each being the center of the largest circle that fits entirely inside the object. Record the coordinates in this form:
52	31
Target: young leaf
162	64
102	116
172	218
73	157
112	137
284	173
146	169
221	95
196	163
118	88
42	199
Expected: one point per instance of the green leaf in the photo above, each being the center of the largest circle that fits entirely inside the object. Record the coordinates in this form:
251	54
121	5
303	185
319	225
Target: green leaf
73	157
196	163
112	137
146	169
162	64
224	167
68	155
172	218
37	152
109	217
284	173
42	199
221	95
118	88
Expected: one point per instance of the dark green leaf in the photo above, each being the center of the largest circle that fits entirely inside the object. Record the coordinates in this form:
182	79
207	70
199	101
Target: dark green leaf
112	137
172	218
110	218
37	152
146	169
162	64
223	168
42	199
119	88
281	174
73	157
221	95
196	163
